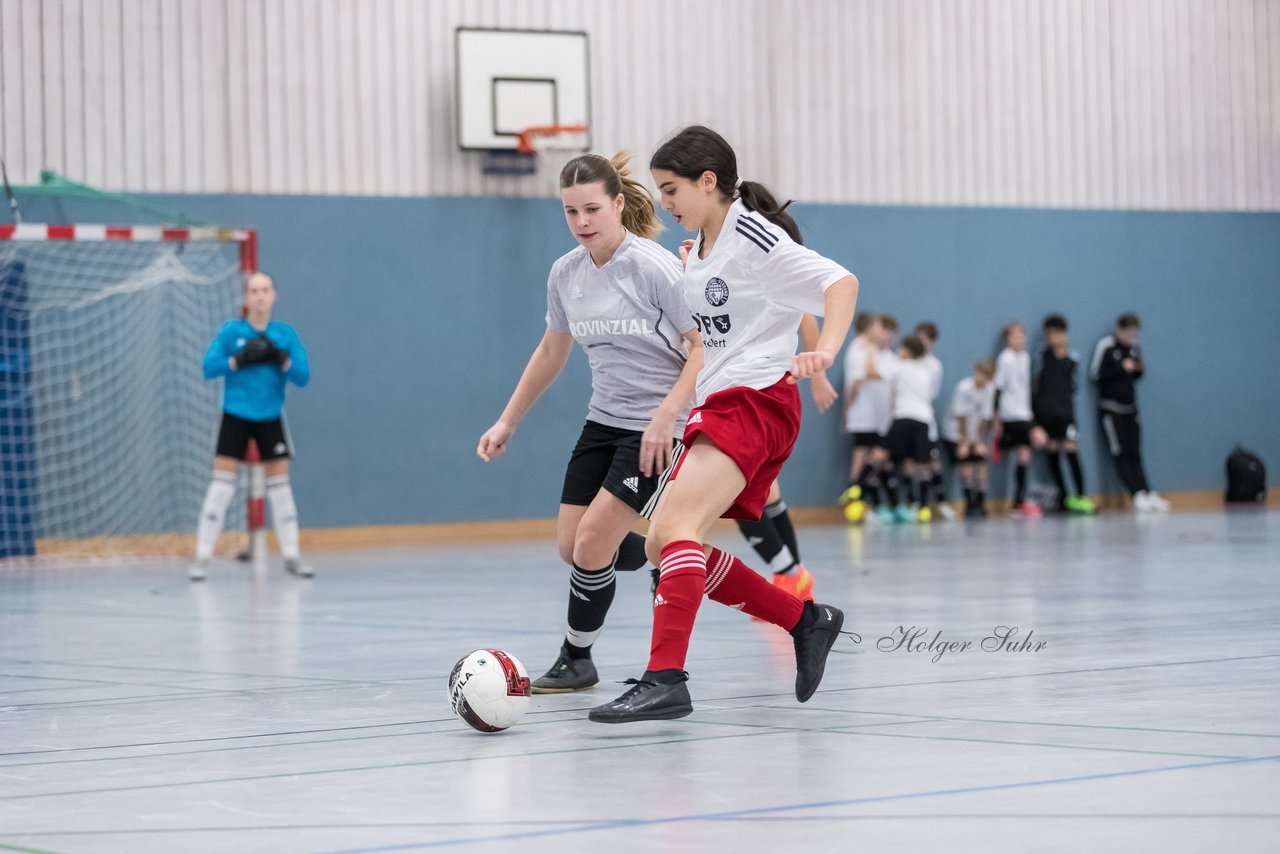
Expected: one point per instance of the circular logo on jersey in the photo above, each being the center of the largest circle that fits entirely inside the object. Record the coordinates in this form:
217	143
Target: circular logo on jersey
717	292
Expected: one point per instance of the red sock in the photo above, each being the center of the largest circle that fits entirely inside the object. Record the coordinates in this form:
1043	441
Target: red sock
683	578
731	582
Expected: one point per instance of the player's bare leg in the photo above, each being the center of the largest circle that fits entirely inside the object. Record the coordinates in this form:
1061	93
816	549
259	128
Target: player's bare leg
709	482
589	540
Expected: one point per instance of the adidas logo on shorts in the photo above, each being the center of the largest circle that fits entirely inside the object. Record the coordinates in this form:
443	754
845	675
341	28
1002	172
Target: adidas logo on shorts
281	447
658	600
633	484
695	418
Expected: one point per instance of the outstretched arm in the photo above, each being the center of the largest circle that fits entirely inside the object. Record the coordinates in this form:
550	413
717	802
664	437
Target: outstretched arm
824	393
839	303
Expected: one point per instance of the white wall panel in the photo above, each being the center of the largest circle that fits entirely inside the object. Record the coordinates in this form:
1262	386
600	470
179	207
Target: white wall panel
1165	104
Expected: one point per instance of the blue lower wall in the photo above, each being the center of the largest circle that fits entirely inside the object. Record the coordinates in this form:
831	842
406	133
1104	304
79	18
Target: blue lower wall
419	315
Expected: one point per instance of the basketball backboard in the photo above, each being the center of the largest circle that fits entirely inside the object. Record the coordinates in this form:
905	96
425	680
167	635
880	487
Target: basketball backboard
510	80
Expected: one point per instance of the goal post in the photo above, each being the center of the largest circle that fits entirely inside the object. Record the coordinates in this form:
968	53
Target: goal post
107	424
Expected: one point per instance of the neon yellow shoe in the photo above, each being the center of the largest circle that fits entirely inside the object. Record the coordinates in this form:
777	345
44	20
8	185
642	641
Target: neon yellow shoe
850	495
924	515
1080	505
855	512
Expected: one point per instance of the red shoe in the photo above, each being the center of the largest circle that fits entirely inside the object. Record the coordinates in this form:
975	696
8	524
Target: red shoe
1028	510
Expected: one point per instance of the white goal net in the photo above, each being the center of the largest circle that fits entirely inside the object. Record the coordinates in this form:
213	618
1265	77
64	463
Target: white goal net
106	421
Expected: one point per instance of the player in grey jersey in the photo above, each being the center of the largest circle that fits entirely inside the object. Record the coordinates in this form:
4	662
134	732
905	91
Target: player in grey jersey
618	294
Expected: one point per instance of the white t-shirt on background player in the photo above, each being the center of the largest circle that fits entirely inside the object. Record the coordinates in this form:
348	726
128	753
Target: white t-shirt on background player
1013	381
629	316
974	404
912	383
869	411
748	297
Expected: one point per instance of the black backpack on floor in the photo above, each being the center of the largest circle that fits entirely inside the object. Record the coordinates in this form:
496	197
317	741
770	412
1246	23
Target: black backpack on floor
1246	477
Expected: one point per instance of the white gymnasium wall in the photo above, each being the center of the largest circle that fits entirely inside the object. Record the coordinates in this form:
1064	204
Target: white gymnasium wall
1165	104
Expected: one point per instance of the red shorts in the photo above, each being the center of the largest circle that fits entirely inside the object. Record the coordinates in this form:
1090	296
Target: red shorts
756	428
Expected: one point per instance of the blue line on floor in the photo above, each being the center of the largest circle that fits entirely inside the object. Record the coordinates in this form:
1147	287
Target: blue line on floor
623	823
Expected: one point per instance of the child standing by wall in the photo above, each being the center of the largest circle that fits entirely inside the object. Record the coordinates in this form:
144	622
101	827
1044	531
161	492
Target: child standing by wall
965	434
1116	367
1013	411
907	447
863	418
1053	401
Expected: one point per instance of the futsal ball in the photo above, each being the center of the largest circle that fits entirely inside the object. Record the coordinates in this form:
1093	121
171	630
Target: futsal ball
489	689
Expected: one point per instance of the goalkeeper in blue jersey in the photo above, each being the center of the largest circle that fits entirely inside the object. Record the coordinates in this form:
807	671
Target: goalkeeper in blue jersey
257	357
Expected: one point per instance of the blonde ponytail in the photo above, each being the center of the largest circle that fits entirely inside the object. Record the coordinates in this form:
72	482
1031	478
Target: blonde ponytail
638	213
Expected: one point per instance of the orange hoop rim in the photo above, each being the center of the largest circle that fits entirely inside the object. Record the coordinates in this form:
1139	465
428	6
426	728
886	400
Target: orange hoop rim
525	139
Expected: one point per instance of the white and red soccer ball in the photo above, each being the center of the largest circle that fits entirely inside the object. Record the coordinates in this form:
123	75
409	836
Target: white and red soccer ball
489	689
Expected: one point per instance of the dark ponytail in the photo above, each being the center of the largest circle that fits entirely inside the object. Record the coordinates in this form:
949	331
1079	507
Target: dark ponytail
697	149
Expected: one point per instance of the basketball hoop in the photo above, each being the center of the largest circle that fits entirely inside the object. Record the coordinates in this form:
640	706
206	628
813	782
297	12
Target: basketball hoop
531	144
552	138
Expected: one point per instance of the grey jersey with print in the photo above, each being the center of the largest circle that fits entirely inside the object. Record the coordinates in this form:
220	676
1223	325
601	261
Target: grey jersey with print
629	316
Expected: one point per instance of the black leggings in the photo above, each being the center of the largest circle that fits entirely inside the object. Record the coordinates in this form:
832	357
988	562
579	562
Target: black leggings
1124	438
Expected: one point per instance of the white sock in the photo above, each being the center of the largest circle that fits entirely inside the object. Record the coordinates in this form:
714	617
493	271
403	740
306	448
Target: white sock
213	515
284	514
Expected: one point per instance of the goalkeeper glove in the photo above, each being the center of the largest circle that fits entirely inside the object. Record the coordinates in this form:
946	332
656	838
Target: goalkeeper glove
257	351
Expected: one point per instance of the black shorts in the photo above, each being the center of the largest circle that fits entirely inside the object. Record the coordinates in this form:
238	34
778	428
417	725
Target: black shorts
609	458
953	453
1061	428
908	439
867	440
235	433
1015	434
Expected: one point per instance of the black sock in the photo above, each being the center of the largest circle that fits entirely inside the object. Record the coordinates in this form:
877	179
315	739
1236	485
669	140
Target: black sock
1020	480
665	677
1055	471
891	489
590	595
908	488
766	539
939	490
870	482
968	498
630	556
1077	473
777	511
808	617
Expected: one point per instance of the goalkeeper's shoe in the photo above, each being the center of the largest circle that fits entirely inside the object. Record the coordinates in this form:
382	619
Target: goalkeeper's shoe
294	566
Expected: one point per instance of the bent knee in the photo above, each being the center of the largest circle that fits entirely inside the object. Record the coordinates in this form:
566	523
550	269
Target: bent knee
566	552
593	551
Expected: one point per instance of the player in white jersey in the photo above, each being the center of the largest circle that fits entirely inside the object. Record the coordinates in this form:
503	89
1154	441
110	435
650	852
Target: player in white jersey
773	535
907	447
751	282
964	434
1014	426
927	332
618	294
861	418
